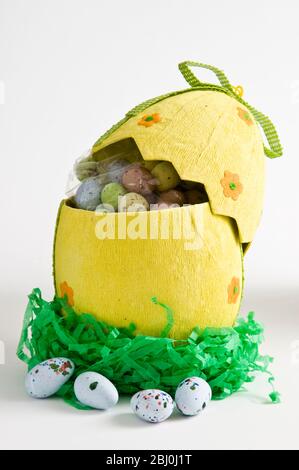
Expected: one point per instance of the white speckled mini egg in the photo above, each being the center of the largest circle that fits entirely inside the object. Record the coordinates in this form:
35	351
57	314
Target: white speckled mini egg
95	390
192	396
152	405
134	400
47	378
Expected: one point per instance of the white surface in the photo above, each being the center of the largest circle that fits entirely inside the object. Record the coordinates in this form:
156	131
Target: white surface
68	71
246	420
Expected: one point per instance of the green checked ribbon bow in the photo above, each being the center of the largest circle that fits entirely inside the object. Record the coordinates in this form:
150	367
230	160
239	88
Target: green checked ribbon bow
275	149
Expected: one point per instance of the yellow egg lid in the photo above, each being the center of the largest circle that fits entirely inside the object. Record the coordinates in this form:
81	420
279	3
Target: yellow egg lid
210	135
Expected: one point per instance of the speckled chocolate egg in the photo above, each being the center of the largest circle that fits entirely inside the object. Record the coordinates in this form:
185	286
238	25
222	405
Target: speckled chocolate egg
88	195
172	196
95	390
152	198
160	206
133	202
45	379
192	396
152	405
111	194
115	170
149	164
138	180
104	209
86	168
166	175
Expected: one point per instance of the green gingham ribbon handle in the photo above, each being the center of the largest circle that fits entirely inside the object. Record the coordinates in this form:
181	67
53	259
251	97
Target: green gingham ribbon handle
275	149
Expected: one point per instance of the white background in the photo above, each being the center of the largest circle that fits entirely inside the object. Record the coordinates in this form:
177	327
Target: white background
69	69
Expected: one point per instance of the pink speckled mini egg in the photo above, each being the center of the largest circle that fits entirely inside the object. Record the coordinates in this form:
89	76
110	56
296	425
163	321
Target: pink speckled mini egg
152	405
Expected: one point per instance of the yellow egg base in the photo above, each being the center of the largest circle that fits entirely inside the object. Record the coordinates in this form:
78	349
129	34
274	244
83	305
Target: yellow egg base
115	278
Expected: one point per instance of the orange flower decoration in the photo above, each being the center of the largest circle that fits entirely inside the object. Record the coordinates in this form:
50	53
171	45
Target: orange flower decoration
245	116
66	290
149	119
232	187
233	290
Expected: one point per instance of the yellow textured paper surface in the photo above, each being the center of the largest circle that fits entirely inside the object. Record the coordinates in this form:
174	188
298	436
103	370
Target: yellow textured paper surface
205	134
115	279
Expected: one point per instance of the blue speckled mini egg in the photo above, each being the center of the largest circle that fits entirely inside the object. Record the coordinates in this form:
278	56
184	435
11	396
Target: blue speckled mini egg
115	170
192	396
88	195
47	378
95	390
152	405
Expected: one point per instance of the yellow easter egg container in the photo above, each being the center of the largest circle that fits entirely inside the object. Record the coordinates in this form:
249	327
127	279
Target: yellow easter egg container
190	258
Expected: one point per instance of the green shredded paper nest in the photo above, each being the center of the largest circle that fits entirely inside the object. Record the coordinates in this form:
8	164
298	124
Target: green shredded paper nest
225	357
